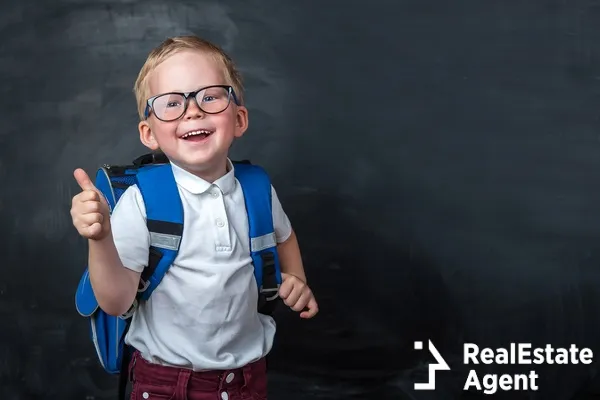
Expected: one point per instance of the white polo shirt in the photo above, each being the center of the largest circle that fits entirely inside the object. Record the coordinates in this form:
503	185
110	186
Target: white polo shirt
203	315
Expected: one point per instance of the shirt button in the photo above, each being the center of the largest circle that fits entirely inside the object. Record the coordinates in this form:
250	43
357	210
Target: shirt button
215	194
220	223
229	377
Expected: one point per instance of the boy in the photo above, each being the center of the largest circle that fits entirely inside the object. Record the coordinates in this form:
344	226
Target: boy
199	336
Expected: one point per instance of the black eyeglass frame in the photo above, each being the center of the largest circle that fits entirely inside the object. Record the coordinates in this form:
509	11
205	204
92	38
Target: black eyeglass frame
187	96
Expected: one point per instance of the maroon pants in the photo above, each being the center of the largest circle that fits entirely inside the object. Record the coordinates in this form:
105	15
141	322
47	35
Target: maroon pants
151	381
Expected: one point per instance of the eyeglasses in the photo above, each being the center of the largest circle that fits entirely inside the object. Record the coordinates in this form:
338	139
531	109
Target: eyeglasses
171	106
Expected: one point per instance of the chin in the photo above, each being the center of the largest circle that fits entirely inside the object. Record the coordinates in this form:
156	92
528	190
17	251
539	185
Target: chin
202	163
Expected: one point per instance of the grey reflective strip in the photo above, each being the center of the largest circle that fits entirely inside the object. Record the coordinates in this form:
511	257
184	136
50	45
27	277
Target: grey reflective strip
263	242
164	241
95	340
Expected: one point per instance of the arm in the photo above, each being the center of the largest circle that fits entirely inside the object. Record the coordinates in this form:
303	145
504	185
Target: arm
114	285
294	291
290	258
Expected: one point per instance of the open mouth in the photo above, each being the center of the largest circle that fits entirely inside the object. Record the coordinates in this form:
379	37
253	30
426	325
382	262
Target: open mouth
198	135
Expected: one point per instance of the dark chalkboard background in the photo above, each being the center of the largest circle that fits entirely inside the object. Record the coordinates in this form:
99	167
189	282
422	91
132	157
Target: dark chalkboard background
439	160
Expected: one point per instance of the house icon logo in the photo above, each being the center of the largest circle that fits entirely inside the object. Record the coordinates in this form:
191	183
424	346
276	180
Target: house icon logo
440	365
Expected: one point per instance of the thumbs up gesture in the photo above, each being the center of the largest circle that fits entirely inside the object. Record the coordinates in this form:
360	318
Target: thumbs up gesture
89	209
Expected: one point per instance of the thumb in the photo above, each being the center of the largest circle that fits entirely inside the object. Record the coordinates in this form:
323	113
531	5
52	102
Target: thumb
84	181
312	308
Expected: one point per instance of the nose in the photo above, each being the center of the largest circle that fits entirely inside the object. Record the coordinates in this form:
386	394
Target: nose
193	111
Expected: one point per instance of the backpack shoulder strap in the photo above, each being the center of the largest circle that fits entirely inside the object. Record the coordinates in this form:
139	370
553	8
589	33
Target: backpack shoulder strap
256	187
164	218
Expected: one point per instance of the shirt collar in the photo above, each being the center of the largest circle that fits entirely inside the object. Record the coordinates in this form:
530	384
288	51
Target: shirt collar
197	185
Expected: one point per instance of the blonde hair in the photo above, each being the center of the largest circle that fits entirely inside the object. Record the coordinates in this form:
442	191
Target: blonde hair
180	43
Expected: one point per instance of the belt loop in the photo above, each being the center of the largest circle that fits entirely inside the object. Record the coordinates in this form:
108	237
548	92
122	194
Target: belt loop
246	371
132	366
221	380
182	384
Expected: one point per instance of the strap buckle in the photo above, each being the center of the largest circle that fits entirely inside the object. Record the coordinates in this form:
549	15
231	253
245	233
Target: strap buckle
270	290
151	158
145	285
131	310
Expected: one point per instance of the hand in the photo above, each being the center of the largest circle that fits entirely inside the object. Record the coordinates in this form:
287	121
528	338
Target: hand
297	295
89	209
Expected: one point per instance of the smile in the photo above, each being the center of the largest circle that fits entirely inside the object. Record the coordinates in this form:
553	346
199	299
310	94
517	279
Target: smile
200	133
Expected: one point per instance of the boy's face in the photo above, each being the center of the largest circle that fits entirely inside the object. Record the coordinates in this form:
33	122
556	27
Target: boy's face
189	71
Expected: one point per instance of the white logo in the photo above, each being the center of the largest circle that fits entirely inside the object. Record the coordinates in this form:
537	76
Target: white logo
441	366
516	354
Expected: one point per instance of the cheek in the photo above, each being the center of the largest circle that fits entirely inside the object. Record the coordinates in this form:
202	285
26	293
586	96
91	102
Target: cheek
226	122
164	132
223	120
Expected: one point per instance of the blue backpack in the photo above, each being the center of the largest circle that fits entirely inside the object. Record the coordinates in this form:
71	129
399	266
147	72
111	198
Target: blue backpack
153	175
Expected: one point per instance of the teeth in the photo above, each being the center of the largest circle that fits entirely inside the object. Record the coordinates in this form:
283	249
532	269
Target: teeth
195	133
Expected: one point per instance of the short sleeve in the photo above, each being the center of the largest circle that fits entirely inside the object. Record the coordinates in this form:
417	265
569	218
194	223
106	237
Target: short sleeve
281	222
129	229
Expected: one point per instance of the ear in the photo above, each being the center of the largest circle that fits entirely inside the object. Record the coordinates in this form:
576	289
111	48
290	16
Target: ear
146	136
241	121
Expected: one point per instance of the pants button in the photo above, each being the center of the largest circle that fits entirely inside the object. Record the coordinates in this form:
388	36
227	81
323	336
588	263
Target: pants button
224	396
229	377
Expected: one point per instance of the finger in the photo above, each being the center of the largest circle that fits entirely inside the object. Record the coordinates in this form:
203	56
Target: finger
87	220
91	206
287	286
92	230
313	309
88	195
82	197
293	296
84	181
302	301
88	207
